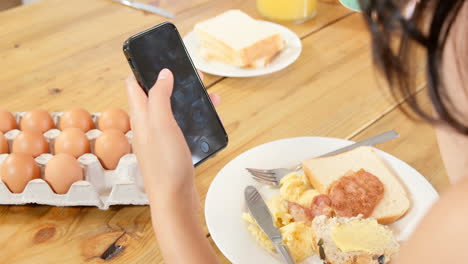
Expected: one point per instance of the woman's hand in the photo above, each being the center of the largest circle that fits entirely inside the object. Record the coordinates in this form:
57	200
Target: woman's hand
163	155
166	167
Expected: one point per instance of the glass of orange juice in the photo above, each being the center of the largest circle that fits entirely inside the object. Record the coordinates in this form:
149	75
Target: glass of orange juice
296	11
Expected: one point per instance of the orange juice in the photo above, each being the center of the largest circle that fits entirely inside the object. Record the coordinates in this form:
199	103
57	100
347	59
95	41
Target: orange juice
287	10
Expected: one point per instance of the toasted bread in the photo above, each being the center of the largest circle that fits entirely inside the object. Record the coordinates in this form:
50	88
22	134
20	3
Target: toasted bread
353	241
323	172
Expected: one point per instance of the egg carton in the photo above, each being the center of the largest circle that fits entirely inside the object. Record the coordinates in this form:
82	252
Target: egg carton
100	187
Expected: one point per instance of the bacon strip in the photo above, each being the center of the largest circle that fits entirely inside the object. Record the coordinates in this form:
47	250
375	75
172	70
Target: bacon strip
299	212
321	205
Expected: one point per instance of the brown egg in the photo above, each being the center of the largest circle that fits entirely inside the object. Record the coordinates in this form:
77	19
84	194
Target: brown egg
114	118
72	141
39	120
31	142
76	118
110	146
17	170
61	172
3	144
7	121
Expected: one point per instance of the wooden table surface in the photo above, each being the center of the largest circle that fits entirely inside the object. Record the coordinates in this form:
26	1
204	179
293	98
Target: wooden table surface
59	54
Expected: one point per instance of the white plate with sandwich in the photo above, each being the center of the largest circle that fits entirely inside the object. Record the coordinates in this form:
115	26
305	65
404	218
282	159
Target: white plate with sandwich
233	44
405	198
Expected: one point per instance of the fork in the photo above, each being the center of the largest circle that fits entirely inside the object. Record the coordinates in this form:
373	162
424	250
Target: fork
273	176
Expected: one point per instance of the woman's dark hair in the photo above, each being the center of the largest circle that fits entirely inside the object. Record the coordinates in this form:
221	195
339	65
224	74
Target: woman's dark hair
395	37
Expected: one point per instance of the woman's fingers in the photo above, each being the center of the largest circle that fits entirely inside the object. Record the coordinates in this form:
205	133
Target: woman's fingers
215	99
137	100
200	74
159	102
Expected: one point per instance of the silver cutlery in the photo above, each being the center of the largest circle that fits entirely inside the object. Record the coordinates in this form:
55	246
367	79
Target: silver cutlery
273	176
146	7
262	216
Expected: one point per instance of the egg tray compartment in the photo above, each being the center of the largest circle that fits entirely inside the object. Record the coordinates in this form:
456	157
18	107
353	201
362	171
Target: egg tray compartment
100	187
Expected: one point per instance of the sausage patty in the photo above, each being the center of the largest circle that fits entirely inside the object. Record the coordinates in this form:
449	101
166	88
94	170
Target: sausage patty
356	193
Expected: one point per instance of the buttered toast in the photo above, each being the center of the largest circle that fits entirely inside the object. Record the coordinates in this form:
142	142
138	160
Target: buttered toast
353	241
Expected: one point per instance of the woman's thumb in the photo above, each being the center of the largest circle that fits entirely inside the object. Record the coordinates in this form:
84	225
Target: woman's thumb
159	96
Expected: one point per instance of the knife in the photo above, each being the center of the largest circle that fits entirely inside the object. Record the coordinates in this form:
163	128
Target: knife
262	216
146	7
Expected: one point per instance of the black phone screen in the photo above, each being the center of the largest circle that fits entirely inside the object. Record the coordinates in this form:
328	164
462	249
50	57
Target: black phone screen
162	47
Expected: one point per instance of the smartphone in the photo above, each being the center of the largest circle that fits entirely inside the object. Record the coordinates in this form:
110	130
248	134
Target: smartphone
162	47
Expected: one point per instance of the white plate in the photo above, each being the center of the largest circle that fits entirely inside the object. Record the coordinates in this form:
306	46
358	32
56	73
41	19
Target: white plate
287	56
225	199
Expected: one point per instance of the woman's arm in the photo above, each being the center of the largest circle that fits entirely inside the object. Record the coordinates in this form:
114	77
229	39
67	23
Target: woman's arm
442	237
166	166
180	233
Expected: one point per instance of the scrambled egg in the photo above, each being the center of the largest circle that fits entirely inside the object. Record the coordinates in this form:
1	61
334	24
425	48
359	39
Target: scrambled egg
279	211
257	233
297	189
297	236
299	239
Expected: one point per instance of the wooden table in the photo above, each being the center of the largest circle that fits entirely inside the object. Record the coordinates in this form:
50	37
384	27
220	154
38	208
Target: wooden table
58	54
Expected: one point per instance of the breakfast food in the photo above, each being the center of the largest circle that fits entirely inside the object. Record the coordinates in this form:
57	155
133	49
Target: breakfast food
110	146
3	144
320	205
324	172
237	39
296	188
297	236
39	120
309	226
61	172
114	118
76	118
297	233
75	159
356	193
342	240
31	142
7	121
17	170
72	141
341	203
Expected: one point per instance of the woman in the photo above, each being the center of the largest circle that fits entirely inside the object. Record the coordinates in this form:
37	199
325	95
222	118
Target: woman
438	27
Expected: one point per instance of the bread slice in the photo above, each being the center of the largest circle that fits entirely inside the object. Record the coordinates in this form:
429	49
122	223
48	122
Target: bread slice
322	172
237	39
353	240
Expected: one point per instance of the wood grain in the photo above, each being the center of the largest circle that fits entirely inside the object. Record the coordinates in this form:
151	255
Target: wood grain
83	233
6	4
63	57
